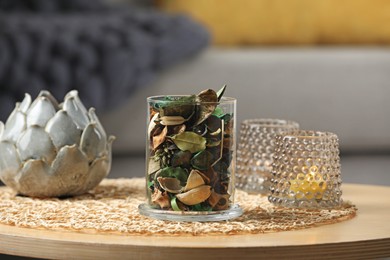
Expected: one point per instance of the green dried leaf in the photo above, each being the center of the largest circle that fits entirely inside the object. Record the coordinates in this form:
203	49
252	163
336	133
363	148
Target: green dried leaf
174	172
189	141
201	207
218	112
183	106
202	160
221	92
227	117
174	205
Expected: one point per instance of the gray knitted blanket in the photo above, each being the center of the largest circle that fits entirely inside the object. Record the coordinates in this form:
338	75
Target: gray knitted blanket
104	52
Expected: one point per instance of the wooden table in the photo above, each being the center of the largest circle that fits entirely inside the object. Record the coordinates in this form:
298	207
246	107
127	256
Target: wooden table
365	236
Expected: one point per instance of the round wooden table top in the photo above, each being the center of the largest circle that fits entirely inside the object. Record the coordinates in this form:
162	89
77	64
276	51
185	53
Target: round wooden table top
365	236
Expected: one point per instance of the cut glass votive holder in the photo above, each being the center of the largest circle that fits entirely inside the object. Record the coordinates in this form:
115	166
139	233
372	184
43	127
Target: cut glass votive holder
306	170
190	159
255	152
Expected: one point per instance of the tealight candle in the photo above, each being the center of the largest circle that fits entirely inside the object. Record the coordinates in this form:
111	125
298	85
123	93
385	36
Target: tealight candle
306	170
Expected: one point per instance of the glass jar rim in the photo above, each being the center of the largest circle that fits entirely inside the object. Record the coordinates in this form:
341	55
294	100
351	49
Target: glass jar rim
224	100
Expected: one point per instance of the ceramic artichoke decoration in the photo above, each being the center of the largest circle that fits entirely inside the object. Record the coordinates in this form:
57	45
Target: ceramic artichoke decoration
49	149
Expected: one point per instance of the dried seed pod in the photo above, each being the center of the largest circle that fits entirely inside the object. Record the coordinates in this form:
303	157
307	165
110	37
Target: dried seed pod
194	180
172	120
219	201
195	196
171	185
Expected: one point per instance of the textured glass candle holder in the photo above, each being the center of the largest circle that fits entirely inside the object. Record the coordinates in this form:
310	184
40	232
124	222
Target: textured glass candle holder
255	152
306	170
191	159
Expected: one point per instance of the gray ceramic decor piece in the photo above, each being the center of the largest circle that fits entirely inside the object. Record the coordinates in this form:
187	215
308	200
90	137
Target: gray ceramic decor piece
49	149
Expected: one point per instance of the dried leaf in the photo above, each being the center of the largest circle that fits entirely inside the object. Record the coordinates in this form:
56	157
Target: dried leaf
189	141
208	102
174	172
202	160
181	158
221	92
153	165
152	124
160	138
218	112
178	106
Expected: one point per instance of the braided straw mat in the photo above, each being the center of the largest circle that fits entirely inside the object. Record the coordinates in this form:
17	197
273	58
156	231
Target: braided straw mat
112	207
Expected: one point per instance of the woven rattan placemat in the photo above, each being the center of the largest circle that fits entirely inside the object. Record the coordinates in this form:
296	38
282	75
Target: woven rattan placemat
112	207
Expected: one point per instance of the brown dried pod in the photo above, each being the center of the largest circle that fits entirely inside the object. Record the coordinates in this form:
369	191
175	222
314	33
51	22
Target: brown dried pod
211	175
205	178
172	120
219	201
195	196
194	180
169	184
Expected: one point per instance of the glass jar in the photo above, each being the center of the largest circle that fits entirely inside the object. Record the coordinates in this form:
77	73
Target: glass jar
306	170
255	151
190	159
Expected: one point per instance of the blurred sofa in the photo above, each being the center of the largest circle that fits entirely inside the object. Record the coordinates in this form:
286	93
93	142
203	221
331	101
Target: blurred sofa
322	63
344	90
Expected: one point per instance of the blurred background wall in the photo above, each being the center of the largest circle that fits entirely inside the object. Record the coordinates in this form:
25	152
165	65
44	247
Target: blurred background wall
325	64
